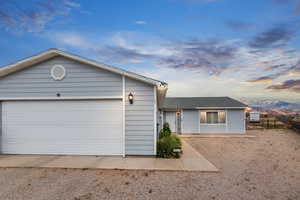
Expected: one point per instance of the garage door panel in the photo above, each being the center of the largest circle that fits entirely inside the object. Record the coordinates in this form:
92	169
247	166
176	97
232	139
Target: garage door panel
40	123
67	133
110	118
63	127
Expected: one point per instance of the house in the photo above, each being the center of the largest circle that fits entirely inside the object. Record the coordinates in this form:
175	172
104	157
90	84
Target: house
201	115
60	103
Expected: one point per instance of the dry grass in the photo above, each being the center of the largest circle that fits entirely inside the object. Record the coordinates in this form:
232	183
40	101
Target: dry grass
265	167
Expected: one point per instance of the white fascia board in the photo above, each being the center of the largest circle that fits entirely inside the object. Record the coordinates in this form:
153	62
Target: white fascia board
155	120
201	108
24	63
59	98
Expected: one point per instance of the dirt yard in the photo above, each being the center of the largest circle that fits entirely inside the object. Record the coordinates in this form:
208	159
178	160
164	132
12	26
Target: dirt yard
265	167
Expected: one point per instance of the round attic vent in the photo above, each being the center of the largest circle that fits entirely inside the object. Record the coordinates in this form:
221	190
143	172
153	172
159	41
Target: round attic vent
58	72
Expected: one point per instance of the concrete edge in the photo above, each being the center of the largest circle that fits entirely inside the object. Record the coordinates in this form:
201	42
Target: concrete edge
115	169
216	136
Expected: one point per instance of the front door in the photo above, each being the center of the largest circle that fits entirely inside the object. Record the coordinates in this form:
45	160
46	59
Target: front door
178	122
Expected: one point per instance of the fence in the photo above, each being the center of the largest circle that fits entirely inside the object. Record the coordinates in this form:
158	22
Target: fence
295	125
266	123
288	120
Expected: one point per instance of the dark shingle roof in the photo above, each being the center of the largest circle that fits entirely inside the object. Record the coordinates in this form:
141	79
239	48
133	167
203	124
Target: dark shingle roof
205	102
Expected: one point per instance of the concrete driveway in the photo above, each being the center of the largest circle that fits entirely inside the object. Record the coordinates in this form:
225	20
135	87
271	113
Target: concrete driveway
191	160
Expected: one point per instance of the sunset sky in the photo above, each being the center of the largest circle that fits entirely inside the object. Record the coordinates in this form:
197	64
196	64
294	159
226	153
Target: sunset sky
237	48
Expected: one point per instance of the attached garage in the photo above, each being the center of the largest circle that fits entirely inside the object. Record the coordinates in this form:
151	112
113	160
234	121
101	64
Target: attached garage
62	127
59	103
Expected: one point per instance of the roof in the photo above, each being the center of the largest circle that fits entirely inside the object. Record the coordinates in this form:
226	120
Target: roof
50	53
201	102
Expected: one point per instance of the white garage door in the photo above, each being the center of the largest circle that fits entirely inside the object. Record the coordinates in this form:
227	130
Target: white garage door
62	127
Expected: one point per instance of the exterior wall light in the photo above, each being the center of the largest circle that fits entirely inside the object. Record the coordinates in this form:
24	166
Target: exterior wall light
130	98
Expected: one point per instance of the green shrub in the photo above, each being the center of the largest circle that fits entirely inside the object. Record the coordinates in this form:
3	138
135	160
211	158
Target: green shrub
166	145
165	131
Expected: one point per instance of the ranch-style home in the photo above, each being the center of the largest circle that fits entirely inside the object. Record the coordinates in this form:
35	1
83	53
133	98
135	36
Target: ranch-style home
200	115
59	103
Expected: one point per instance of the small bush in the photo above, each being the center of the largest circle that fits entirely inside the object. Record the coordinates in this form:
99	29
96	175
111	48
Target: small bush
165	131
166	145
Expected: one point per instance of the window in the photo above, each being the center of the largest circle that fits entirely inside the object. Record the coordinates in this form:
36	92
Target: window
212	117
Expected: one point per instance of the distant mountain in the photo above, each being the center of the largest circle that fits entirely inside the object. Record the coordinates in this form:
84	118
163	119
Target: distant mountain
274	105
282	105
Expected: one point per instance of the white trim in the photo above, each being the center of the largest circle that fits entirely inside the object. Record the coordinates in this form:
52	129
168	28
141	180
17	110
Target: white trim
213	124
225	110
58	98
124	120
245	121
201	108
199	121
226	118
181	121
155	119
58	78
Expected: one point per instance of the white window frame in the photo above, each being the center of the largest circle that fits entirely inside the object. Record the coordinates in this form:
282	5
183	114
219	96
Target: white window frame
225	123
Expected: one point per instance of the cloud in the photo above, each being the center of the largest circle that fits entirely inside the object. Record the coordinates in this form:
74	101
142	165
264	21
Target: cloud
191	54
239	26
72	4
297	9
141	22
201	1
294	3
209	56
282	70
262	79
295	69
122	54
206	56
277	36
272	67
32	16
280	2
71	39
290	85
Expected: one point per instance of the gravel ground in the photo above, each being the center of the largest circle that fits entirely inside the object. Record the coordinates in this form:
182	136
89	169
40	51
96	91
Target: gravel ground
265	167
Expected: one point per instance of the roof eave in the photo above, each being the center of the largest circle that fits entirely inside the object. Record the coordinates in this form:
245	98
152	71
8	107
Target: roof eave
199	108
238	107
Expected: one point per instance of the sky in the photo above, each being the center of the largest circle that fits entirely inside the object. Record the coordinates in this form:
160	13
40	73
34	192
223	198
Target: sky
248	50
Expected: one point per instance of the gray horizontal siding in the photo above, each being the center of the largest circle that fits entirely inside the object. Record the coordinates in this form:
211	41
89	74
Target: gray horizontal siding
139	121
190	121
235	123
81	80
213	128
